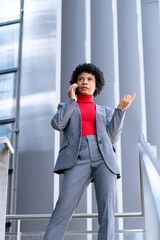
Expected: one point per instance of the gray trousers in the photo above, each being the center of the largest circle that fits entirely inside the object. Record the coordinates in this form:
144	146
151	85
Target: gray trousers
90	165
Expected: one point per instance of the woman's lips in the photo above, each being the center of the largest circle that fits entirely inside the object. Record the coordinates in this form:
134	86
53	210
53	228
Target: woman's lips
84	88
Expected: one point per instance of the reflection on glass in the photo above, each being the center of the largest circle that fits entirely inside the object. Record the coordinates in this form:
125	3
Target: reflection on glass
9	46
7	96
9	10
6	130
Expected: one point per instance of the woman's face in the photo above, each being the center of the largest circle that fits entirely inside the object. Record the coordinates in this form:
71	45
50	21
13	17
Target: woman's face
87	83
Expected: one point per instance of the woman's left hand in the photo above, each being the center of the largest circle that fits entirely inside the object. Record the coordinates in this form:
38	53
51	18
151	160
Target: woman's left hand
126	101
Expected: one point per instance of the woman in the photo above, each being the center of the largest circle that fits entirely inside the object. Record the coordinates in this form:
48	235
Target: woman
86	152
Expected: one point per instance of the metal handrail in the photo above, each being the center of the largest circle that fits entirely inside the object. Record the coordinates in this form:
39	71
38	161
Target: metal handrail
10	22
78	232
75	216
150	188
148	149
5	141
9	70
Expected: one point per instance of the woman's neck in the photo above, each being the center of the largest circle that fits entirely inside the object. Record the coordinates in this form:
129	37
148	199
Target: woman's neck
84	98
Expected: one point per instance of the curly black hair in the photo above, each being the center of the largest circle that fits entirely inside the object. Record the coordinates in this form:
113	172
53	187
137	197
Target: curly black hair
89	68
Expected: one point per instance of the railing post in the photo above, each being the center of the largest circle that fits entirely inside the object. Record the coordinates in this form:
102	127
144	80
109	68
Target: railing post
5	146
19	230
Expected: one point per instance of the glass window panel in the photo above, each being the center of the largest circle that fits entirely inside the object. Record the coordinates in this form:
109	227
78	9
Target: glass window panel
6	130
9	37
7	95
9	10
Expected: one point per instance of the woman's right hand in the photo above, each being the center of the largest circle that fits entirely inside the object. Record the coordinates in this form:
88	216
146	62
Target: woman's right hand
72	91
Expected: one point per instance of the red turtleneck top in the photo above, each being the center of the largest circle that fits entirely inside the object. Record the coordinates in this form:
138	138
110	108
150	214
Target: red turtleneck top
88	114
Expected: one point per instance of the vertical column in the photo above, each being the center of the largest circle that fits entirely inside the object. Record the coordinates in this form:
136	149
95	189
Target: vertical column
102	47
131	79
88	60
73	40
119	200
75	51
37	105
141	68
105	55
18	81
58	94
151	40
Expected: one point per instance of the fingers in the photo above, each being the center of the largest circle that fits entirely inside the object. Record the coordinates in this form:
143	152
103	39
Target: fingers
73	87
126	101
71	91
133	97
129	98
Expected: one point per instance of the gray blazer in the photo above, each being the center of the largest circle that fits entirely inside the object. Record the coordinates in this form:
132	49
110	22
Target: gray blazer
109	124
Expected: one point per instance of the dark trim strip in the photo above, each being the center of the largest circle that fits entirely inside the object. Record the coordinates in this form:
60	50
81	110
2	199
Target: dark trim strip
11	70
9	120
10	22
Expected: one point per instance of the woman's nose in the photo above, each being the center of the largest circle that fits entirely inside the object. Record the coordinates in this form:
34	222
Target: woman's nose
85	81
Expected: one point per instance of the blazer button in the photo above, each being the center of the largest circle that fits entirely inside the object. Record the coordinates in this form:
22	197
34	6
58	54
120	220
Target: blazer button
100	142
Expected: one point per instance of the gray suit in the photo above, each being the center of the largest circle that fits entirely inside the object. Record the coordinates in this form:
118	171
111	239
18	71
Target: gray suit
68	119
83	159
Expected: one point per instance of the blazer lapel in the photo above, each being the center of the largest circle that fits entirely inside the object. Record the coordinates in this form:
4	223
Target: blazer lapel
79	120
100	117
